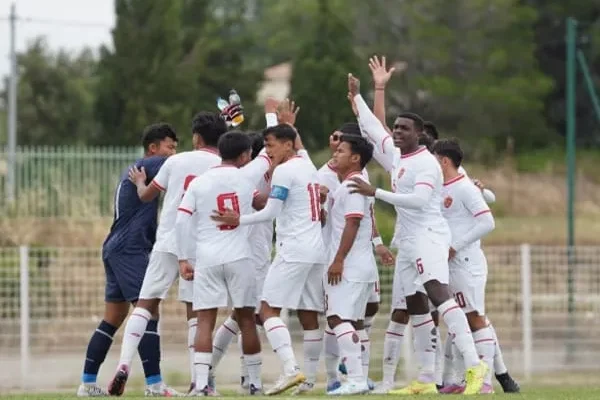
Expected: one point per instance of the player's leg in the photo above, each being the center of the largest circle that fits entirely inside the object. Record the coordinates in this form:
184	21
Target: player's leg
509	385
312	303
283	288
433	272
436	339
364	329
162	271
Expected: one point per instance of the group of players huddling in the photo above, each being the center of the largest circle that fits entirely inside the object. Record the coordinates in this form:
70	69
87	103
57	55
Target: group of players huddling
215	236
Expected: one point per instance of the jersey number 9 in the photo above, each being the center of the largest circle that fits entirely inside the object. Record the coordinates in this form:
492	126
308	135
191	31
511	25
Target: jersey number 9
228	201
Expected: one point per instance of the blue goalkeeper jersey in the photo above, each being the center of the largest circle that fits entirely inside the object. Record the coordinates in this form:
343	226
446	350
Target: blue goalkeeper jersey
134	222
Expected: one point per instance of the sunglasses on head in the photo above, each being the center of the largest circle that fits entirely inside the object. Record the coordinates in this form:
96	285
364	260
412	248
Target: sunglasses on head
336	137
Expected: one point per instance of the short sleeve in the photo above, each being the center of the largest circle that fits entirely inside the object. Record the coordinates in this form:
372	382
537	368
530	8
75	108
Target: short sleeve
188	203
355	205
152	165
281	183
161	179
256	169
472	200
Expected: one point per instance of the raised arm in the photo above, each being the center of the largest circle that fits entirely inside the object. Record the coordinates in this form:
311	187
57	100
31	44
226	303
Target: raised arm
381	76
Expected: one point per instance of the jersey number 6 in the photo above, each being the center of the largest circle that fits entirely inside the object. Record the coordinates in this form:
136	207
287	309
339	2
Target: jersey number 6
227	201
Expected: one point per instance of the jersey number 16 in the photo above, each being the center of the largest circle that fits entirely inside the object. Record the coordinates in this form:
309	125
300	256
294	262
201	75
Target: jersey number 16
315	201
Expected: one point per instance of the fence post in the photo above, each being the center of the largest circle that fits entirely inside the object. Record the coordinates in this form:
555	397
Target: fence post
527	309
24	306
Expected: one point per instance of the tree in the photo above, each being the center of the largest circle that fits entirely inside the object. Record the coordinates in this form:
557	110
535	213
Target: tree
55	96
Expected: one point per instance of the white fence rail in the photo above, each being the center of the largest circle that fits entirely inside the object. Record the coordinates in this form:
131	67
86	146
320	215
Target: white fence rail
51	299
61	181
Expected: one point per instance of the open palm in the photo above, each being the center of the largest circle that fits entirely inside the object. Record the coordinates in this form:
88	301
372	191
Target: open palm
381	75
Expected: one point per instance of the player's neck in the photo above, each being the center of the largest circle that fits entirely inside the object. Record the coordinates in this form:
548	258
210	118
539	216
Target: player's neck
229	164
350	172
289	156
205	147
450	173
410	149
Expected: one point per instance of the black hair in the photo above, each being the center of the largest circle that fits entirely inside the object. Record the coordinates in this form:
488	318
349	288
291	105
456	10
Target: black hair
233	144
416	119
449	148
257	143
210	126
361	146
281	132
431	130
426	140
156	133
350	128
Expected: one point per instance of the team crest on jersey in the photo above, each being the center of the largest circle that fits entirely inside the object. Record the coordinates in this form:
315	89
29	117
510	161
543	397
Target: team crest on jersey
447	201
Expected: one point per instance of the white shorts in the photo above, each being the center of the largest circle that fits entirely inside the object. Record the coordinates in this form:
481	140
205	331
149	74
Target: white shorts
261	274
186	288
375	294
163	270
230	284
419	260
468	277
296	286
348	300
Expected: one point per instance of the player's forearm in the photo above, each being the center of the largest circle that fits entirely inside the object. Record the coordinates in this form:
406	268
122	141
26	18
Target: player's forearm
379	105
270	212
415	200
488	196
374	129
147	193
485	224
182	233
348	236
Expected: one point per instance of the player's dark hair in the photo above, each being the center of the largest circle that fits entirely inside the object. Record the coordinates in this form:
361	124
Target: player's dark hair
233	144
281	132
426	140
156	133
257	143
361	146
449	148
431	130
350	128
416	119
210	126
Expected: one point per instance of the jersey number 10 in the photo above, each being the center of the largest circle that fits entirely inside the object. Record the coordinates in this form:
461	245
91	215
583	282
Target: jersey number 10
315	201
227	201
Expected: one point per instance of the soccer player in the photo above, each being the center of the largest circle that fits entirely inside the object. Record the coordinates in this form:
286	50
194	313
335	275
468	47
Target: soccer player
422	237
125	256
295	278
174	177
330	178
352	274
223	270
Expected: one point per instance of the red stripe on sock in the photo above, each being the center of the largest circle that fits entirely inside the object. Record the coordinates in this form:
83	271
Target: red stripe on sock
141	316
313	340
450	309
484	340
345	333
229	329
422	323
329	333
276	327
365	341
394	334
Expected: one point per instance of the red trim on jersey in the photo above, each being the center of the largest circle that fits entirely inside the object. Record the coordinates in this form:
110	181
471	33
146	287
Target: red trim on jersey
383	143
266	158
185	210
354	215
424	183
353	173
156	185
414	153
209	150
297	156
455	179
224	166
482	212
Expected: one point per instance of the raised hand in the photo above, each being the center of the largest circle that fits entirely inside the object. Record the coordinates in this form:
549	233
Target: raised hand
353	85
271	105
287	112
352	104
381	75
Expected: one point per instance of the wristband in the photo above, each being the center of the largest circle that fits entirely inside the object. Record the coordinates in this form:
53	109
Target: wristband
377	241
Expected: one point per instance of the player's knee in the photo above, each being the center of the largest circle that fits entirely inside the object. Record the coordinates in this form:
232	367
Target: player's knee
116	313
417	304
400	316
372	309
476	321
333	321
438	292
267	311
308	319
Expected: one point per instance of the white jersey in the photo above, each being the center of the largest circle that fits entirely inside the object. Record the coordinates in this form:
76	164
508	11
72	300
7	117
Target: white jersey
298	226
410	170
261	234
220	188
462	203
174	177
359	265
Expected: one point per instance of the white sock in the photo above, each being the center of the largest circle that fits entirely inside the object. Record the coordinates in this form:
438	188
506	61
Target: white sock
281	342
192	323
450	377
243	366
499	366
313	344
134	330
254	365
392	347
458	365
486	347
423	327
223	337
332	355
439	358
365	351
457	323
368	324
350	350
202	367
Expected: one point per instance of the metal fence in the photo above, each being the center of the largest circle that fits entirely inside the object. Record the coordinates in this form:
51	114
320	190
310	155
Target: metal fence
51	299
64	181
